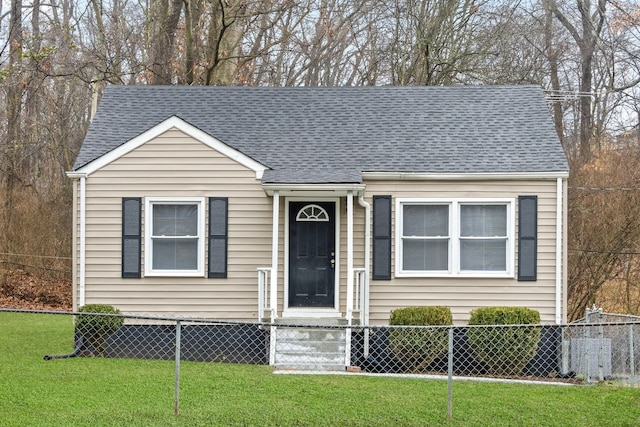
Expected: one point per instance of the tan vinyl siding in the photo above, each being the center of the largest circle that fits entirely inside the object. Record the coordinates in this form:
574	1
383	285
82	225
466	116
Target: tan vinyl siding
175	165
464	294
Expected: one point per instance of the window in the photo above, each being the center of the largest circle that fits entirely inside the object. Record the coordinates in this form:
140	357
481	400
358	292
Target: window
483	237
455	237
312	213
425	237
174	236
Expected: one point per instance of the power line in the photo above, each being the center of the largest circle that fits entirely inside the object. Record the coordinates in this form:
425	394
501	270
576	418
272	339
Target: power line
566	95
59	270
591	251
605	188
36	256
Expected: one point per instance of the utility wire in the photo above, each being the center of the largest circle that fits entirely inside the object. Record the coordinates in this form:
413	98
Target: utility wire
589	251
566	95
35	266
35	256
605	188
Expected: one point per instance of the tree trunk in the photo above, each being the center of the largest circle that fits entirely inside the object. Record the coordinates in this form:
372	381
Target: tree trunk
552	57
165	15
591	27
11	149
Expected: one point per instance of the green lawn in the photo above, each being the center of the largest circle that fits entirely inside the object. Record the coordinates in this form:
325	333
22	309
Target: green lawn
117	392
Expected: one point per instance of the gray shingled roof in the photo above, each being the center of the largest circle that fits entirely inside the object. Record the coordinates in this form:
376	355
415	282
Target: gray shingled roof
332	135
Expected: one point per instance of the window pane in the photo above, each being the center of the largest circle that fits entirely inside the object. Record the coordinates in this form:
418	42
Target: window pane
425	255
483	255
425	220
175	254
175	220
483	220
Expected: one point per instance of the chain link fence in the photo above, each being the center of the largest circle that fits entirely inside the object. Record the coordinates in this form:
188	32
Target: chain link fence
603	346
569	353
599	348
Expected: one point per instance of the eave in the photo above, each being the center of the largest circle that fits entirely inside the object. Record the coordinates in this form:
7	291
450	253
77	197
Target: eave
481	176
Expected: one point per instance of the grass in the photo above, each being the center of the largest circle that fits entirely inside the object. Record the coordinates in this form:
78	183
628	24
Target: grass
122	392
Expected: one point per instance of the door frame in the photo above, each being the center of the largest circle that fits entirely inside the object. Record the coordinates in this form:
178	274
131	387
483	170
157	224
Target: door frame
312	311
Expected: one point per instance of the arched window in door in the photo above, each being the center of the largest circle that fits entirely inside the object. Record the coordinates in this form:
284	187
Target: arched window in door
312	213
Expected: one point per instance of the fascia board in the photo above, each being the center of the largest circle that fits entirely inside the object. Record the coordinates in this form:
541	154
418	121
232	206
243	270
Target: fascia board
312	189
417	176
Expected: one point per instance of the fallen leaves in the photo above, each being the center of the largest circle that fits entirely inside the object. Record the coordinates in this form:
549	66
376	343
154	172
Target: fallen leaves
23	290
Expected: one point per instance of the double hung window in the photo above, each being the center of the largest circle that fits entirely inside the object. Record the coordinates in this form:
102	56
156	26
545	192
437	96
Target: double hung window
455	237
174	236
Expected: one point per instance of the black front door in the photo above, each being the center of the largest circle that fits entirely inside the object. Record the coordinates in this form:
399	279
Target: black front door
311	254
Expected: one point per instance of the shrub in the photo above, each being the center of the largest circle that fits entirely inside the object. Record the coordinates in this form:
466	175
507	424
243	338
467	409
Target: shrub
416	348
505	351
96	327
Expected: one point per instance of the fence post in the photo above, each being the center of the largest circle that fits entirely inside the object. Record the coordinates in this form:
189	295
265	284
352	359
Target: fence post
176	400
632	358
585	346
564	350
450	376
601	351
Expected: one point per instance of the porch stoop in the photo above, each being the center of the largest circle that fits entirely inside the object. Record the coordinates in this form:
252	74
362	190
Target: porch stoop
310	348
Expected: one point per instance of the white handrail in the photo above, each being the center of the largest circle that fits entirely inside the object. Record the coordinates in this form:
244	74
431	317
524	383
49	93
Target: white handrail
359	289
363	279
362	302
355	304
263	292
359	293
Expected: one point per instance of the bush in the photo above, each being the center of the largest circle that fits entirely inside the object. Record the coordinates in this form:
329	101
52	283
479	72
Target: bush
505	351
95	328
416	348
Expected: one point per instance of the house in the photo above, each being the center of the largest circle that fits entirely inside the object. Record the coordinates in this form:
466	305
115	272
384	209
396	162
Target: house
247	203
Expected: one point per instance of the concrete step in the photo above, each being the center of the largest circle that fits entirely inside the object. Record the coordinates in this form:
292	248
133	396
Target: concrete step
302	321
309	349
310	335
291	359
338	367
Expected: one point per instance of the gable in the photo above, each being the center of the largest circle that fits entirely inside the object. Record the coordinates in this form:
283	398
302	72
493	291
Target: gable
172	124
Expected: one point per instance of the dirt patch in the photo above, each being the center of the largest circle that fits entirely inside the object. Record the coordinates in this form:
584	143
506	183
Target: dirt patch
22	290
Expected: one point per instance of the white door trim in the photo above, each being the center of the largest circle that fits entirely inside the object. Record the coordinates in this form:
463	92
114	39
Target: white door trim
311	312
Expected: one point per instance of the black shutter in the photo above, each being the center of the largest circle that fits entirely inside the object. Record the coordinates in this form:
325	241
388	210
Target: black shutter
527	238
218	237
381	237
131	236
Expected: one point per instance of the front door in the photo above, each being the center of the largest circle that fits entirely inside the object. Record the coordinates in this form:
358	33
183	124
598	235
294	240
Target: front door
311	254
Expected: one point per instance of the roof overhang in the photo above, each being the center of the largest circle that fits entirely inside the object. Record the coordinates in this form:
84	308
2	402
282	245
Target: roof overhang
483	176
173	122
313	189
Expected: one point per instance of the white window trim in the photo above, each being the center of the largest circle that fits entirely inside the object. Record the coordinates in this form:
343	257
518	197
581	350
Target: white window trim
148	247
454	233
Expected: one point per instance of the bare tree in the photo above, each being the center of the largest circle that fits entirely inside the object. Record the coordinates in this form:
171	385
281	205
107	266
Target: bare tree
11	148
552	54
586	33
434	41
604	218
